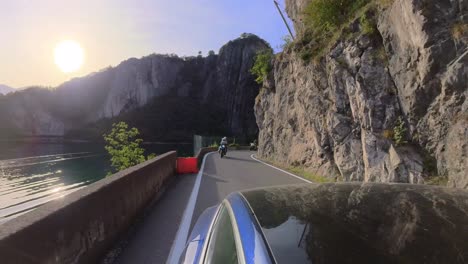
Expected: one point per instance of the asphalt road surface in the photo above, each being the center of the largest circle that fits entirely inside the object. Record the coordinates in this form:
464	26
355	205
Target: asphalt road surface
152	238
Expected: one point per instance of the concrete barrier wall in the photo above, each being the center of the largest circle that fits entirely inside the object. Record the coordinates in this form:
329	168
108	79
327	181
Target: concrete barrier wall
82	226
202	153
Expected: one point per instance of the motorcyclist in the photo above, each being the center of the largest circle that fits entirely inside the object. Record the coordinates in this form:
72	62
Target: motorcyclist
253	145
224	142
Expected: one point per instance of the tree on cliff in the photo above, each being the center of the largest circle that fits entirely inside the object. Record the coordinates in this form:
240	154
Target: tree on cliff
262	65
124	147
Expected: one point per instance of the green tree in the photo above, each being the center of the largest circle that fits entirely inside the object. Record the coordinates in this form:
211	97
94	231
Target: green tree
262	65
124	146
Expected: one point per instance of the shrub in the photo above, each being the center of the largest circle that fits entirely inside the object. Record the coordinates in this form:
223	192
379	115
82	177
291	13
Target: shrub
327	20
235	145
262	65
399	131
368	24
214	145
123	145
329	15
287	41
459	30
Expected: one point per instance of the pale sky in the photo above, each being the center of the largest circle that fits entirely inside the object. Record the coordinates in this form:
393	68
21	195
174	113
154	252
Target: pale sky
111	31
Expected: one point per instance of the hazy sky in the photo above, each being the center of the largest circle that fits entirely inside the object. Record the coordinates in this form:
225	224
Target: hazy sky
113	30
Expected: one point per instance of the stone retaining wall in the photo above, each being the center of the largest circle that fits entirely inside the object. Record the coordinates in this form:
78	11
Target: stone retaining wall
82	226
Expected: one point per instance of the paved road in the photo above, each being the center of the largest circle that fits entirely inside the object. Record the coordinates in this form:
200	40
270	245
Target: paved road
237	171
152	239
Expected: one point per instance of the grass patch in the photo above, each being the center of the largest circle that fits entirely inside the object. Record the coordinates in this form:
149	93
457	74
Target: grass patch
300	171
308	175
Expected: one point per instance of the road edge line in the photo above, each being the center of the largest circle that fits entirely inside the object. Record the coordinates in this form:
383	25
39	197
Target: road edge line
182	234
287	172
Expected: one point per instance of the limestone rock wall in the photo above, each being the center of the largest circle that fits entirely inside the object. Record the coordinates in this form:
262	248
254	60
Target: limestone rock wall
336	117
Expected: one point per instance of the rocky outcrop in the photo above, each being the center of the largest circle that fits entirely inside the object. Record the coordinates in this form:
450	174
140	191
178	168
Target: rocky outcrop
337	117
219	86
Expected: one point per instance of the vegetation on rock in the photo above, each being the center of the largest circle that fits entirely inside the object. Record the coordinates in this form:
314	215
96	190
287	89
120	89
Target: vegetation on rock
287	41
124	147
437	180
399	132
262	65
301	171
328	20
459	30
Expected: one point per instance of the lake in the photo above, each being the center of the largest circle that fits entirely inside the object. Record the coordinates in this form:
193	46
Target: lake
32	174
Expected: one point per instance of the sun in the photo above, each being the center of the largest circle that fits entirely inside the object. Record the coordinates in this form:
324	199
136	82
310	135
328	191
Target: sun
69	56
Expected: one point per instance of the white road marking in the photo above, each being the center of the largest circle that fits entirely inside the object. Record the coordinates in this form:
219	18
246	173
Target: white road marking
180	240
294	175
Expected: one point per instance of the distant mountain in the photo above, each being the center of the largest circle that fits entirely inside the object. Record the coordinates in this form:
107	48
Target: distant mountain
6	89
165	96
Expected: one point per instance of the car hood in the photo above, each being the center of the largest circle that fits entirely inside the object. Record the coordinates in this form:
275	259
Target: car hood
363	223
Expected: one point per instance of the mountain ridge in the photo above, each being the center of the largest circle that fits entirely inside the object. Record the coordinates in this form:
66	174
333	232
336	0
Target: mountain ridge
222	83
5	89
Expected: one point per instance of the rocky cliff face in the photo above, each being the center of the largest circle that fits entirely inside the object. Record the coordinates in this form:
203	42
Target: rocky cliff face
337	117
219	86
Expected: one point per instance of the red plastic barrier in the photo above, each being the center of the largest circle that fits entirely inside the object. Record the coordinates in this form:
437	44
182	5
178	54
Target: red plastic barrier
187	165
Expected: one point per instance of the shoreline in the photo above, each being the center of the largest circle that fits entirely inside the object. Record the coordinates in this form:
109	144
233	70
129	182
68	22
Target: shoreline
62	140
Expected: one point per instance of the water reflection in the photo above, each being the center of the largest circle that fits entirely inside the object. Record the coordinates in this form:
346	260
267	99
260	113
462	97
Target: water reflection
33	173
26	183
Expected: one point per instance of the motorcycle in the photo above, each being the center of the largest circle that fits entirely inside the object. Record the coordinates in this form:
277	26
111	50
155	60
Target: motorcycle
222	150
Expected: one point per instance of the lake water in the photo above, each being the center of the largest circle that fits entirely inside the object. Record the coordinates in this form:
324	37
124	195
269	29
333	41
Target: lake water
32	174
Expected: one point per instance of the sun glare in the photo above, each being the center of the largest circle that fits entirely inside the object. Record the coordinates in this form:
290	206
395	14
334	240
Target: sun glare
69	56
